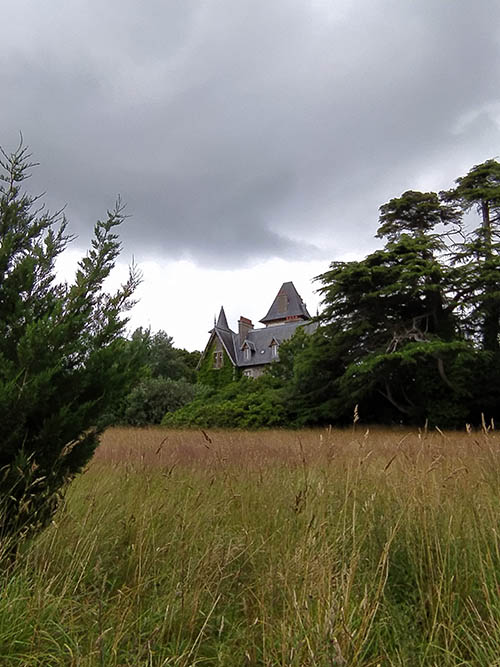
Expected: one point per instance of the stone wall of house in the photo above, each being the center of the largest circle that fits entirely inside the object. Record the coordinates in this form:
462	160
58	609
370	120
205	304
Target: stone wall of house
254	371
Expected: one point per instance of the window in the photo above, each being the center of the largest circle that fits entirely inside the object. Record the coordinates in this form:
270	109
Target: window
247	354
248	373
218	359
274	350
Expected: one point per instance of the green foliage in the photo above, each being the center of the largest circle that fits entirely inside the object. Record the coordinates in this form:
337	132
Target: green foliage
148	402
190	359
401	329
480	188
246	403
166	381
415	213
216	377
62	361
377	311
477	254
161	358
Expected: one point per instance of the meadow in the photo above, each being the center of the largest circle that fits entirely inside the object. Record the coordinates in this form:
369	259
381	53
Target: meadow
356	547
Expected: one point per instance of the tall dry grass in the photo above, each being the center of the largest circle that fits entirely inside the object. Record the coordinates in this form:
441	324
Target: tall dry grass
321	547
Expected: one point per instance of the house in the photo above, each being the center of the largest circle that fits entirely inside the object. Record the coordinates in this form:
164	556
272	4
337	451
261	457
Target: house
250	350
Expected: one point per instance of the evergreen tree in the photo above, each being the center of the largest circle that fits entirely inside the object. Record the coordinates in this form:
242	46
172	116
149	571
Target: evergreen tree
478	255
389	339
61	361
416	216
415	213
161	358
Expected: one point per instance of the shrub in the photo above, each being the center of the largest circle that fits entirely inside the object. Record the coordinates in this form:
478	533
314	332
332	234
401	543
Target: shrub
246	403
153	397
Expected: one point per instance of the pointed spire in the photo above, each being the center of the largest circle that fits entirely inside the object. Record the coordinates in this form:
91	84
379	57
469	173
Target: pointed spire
287	305
222	320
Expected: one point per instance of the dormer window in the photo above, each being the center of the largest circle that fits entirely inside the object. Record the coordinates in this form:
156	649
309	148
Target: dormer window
274	350
247	350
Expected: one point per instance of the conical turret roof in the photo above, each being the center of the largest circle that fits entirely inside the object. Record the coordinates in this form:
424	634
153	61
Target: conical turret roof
222	320
287	305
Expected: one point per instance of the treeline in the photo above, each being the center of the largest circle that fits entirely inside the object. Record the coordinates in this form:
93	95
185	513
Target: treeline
409	333
165	381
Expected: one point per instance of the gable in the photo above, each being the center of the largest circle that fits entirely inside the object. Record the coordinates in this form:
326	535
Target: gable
215	367
220	341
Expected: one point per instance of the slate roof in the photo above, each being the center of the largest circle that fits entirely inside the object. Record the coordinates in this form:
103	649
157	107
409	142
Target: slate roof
259	340
222	320
287	303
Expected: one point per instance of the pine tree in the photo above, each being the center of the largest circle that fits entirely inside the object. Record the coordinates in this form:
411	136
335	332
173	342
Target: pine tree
388	322
61	362
478	255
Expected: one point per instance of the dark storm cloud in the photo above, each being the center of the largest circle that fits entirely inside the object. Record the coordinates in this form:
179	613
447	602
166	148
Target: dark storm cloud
244	130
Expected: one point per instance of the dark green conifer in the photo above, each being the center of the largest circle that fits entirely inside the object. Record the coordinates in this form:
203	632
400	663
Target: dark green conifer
61	362
477	256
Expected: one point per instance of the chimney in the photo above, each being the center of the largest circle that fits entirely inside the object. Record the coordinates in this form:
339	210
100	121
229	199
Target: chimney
244	326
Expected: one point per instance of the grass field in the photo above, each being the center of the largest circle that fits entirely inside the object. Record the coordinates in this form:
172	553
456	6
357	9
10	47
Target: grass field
300	548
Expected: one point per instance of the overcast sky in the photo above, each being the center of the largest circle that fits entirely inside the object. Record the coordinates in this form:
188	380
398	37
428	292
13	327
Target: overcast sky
253	140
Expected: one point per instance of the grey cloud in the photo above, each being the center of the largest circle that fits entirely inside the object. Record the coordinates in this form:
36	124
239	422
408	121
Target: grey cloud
241	131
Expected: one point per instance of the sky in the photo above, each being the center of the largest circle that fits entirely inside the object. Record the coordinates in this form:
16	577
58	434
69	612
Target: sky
253	141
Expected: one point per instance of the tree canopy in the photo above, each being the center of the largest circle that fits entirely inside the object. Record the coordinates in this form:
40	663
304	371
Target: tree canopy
411	332
166	382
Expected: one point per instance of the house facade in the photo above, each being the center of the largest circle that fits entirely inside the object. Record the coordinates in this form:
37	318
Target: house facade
249	351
